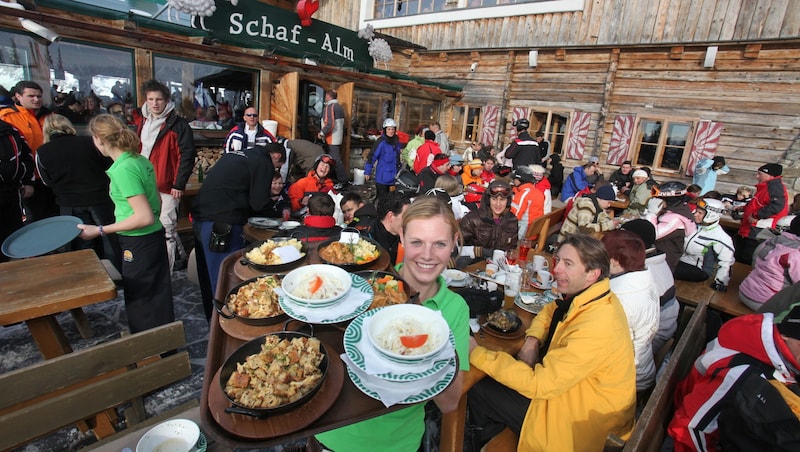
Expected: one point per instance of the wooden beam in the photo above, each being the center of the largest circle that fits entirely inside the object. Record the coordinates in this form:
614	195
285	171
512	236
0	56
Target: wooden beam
676	53
561	54
751	51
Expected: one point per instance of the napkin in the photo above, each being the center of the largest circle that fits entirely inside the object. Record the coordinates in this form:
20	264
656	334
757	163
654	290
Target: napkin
350	303
287	253
377	364
392	392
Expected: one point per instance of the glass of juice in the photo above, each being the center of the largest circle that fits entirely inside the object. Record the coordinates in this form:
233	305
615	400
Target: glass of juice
524	248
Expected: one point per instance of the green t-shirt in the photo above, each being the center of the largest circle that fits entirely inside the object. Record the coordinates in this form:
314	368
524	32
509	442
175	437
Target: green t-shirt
402	430
131	175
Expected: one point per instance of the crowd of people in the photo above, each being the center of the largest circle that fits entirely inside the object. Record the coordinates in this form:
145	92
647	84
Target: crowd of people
587	358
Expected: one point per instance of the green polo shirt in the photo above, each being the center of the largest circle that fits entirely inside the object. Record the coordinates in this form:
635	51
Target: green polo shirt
402	430
131	175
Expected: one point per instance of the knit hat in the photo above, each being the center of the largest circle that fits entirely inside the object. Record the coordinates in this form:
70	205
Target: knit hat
538	171
773	169
456	159
606	193
643	229
439	159
594	160
790	325
640	173
475	164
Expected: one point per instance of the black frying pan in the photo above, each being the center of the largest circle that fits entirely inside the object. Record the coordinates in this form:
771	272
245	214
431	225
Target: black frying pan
253	347
277	268
224	311
350	267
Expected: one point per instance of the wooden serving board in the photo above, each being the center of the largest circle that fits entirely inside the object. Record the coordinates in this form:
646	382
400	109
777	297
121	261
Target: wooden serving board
251	428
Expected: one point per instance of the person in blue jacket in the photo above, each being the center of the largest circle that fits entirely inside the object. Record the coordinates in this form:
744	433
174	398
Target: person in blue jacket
577	181
384	158
706	172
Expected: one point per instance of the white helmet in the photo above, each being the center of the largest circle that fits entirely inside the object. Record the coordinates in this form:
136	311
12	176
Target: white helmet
784	223
713	207
389	122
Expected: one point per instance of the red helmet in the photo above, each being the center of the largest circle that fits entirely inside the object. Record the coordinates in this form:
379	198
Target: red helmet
473	192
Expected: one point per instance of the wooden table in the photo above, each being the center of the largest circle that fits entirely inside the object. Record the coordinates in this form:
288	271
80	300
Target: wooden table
252	234
621	203
35	290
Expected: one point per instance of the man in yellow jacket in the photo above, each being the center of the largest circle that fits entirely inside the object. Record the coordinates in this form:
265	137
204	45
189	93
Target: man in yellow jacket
574	380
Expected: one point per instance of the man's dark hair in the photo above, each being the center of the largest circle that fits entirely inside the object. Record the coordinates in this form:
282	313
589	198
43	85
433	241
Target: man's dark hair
627	162
391	202
321	204
350	196
332	93
430	135
154	85
539	134
277	148
591	251
23	84
488	158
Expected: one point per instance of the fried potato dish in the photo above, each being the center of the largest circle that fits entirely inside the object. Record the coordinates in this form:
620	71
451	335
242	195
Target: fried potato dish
256	300
283	372
343	253
263	255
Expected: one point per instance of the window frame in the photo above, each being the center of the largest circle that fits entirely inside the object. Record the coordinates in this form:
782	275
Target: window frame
549	132
477	124
634	148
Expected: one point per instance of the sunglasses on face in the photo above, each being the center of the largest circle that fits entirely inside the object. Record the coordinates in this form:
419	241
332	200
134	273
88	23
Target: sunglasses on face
252	115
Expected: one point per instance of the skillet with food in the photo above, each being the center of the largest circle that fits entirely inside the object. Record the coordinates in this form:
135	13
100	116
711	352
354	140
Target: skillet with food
253	302
351	257
259	256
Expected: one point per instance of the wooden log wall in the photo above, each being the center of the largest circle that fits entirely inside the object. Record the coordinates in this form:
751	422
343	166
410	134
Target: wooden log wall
601	22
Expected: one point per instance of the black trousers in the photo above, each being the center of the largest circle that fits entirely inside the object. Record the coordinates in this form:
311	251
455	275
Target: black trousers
41	205
688	272
146	281
107	246
493	407
10	215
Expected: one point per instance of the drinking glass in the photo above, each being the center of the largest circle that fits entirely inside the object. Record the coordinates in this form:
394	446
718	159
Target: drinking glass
512	256
524	248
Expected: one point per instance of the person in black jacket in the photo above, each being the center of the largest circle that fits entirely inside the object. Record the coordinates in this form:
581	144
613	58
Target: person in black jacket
76	172
386	230
235	188
16	179
524	150
622	177
556	176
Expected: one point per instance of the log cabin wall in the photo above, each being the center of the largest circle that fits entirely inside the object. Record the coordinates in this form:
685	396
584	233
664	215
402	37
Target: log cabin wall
629	57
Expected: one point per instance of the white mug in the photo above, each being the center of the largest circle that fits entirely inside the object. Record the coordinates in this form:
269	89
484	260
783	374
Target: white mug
538	262
545	277
512	285
498	255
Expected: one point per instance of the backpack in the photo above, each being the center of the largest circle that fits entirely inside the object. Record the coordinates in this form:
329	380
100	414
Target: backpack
12	168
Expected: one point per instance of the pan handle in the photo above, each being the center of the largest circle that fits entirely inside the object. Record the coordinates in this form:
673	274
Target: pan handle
246	412
218	306
310	326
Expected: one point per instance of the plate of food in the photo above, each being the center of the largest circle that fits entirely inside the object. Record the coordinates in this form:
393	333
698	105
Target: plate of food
288	225
264	222
352	255
253	302
268	255
456	278
532	302
389	288
504	324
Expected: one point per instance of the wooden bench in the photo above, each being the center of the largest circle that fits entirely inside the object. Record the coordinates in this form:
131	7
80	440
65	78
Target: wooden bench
729	302
651	427
72	388
542	227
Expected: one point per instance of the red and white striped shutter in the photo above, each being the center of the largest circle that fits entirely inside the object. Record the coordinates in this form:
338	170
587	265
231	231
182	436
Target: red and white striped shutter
705	143
620	139
516	113
578	130
489	125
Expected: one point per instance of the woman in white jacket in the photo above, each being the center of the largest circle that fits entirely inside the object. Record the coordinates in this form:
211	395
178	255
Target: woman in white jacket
710	246
633	284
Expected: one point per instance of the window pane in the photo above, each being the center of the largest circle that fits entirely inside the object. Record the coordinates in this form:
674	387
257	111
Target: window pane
473	124
649	134
309	110
370	108
677	135
416	112
202	90
556	132
457	125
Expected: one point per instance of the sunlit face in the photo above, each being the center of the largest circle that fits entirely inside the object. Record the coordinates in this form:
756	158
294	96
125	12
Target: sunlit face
476	146
394	222
156	102
639	180
570	273
603	204
323	169
277	186
443	167
30	98
390	131
625	169
427	243
699	215
488	165
251	117
434	128
349	210
498	205
762	176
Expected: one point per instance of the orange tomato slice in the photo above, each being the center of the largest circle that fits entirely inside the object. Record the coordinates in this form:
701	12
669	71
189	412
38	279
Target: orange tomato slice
316	283
414	341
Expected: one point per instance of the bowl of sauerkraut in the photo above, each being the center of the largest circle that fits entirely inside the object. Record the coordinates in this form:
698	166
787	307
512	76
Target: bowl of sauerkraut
316	286
407	333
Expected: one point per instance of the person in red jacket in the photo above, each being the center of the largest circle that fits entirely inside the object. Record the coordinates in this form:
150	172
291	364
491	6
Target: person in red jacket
768	205
168	143
426	151
317	180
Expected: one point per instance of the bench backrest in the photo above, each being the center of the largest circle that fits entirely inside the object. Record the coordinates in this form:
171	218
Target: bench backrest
652	424
59	392
540	228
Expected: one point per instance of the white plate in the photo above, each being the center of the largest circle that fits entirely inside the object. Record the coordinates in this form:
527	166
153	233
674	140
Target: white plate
263	222
351	306
419	390
541	286
454	275
172	435
355	339
289	225
536	307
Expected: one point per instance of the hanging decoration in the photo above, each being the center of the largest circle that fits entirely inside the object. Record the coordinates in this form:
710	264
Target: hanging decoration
195	9
379	49
306	9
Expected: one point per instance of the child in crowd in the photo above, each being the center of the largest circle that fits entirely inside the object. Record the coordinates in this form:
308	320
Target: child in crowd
639	193
487	175
472	173
319	224
735	204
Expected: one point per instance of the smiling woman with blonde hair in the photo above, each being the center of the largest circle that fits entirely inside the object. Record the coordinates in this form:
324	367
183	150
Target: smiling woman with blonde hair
429	234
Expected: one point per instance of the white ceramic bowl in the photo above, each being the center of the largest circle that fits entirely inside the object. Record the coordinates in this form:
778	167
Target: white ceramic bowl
176	435
299	276
432	323
289	225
